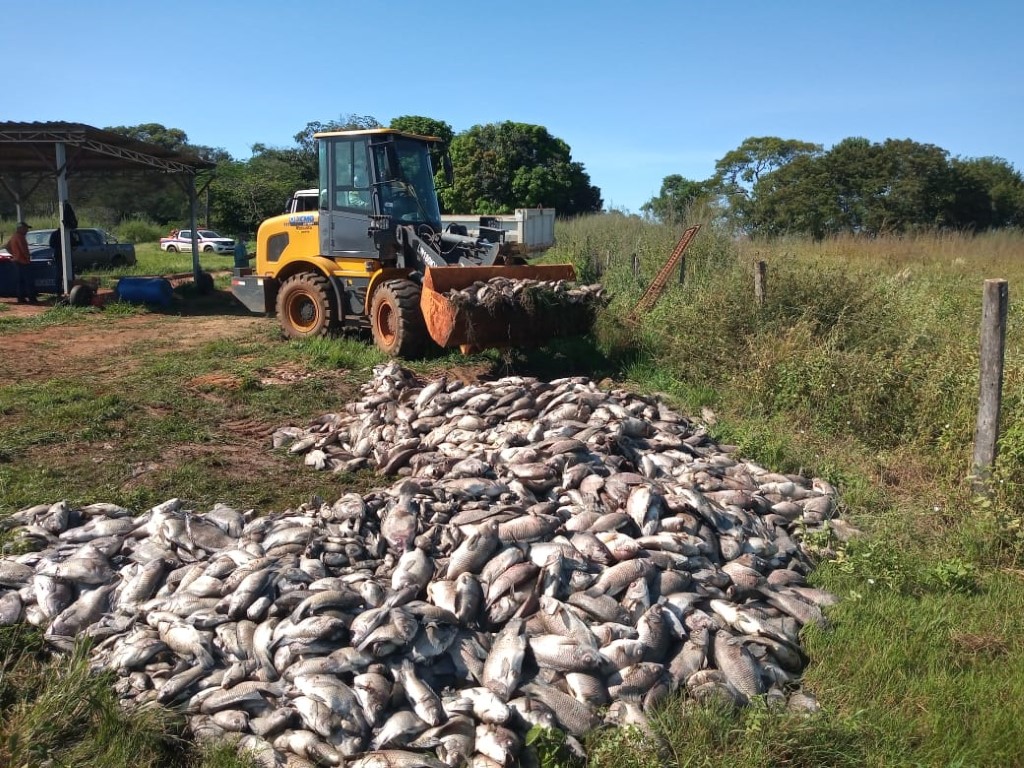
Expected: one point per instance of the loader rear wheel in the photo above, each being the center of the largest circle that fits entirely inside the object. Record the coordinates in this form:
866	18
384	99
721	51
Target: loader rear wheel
396	320
80	295
304	306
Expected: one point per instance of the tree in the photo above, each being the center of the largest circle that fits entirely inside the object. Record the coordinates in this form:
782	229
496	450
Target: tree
142	192
916	189
173	139
428	126
988	193
676	197
246	193
424	126
818	194
503	166
796	197
307	144
857	186
741	168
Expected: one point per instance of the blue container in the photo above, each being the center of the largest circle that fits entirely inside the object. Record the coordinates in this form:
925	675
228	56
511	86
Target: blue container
147	290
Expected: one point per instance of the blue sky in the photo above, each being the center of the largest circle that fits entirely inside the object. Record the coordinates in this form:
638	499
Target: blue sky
638	90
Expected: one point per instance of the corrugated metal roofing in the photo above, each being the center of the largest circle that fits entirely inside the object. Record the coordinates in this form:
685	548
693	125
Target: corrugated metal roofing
29	148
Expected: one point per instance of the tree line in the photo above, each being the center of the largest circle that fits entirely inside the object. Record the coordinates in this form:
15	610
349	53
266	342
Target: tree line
771	186
767	186
497	168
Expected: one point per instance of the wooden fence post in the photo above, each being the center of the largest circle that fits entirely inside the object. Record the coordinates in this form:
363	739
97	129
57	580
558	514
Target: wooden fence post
636	265
682	270
760	273
990	389
608	261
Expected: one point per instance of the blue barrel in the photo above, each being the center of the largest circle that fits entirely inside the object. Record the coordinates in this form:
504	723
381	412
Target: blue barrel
145	290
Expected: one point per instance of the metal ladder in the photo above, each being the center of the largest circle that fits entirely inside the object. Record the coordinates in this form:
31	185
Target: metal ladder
657	286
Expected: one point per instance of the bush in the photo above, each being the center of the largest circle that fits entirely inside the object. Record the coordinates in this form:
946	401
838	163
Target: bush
139	229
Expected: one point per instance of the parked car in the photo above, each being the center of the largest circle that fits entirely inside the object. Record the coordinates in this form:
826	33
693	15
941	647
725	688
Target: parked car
90	248
209	242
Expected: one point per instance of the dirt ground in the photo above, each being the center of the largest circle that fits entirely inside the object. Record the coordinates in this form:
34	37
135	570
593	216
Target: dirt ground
103	348
40	353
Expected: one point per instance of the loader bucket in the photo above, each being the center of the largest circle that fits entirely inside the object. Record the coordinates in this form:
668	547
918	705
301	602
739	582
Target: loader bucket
474	327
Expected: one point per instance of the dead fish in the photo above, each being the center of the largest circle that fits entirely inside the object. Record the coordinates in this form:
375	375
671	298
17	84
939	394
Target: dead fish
425	702
564	653
503	667
737	665
474	551
393	758
574	717
547	548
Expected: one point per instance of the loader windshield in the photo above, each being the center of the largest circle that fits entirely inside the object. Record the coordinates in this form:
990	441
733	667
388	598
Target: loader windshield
406	182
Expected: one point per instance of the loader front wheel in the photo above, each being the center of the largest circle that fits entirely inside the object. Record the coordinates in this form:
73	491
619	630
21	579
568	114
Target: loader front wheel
304	306
396	320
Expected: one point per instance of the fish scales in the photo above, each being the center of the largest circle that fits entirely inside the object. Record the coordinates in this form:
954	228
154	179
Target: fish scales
597	534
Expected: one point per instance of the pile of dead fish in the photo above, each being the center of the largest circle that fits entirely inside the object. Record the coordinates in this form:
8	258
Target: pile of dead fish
527	294
551	555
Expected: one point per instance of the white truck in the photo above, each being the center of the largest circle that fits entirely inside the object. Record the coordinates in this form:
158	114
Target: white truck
525	231
209	242
303	200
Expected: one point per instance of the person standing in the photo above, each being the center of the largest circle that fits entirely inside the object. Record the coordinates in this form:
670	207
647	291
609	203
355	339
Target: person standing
71	223
241	253
17	246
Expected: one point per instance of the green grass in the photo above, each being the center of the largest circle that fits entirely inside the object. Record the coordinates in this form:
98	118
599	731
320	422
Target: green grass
151	260
176	412
860	367
78	720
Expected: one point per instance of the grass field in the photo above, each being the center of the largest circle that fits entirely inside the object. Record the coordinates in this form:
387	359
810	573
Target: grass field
151	260
860	367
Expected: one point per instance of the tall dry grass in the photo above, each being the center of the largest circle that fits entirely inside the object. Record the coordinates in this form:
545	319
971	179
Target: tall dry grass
860	367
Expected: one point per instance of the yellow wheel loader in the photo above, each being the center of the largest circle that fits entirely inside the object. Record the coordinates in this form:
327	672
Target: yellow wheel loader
373	255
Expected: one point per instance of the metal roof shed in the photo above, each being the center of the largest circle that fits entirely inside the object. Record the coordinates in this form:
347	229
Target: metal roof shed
33	152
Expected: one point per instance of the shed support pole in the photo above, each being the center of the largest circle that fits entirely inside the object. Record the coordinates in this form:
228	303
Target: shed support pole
62	201
193	206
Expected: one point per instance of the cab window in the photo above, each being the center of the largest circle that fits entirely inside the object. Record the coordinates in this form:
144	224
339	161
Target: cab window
351	182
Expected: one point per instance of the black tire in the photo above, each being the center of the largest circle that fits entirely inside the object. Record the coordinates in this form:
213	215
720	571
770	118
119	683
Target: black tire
204	283
396	320
80	296
304	306
207	249
117	261
172	249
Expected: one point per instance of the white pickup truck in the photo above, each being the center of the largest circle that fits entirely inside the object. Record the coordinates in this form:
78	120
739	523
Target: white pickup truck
303	200
209	242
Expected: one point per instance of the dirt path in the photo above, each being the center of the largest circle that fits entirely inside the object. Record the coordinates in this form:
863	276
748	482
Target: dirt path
101	341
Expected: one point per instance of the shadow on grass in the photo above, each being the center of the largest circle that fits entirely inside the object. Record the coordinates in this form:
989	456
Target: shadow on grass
598	356
189	301
558	358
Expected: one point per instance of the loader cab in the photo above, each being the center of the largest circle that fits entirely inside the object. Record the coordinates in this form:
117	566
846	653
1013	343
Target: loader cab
370	182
